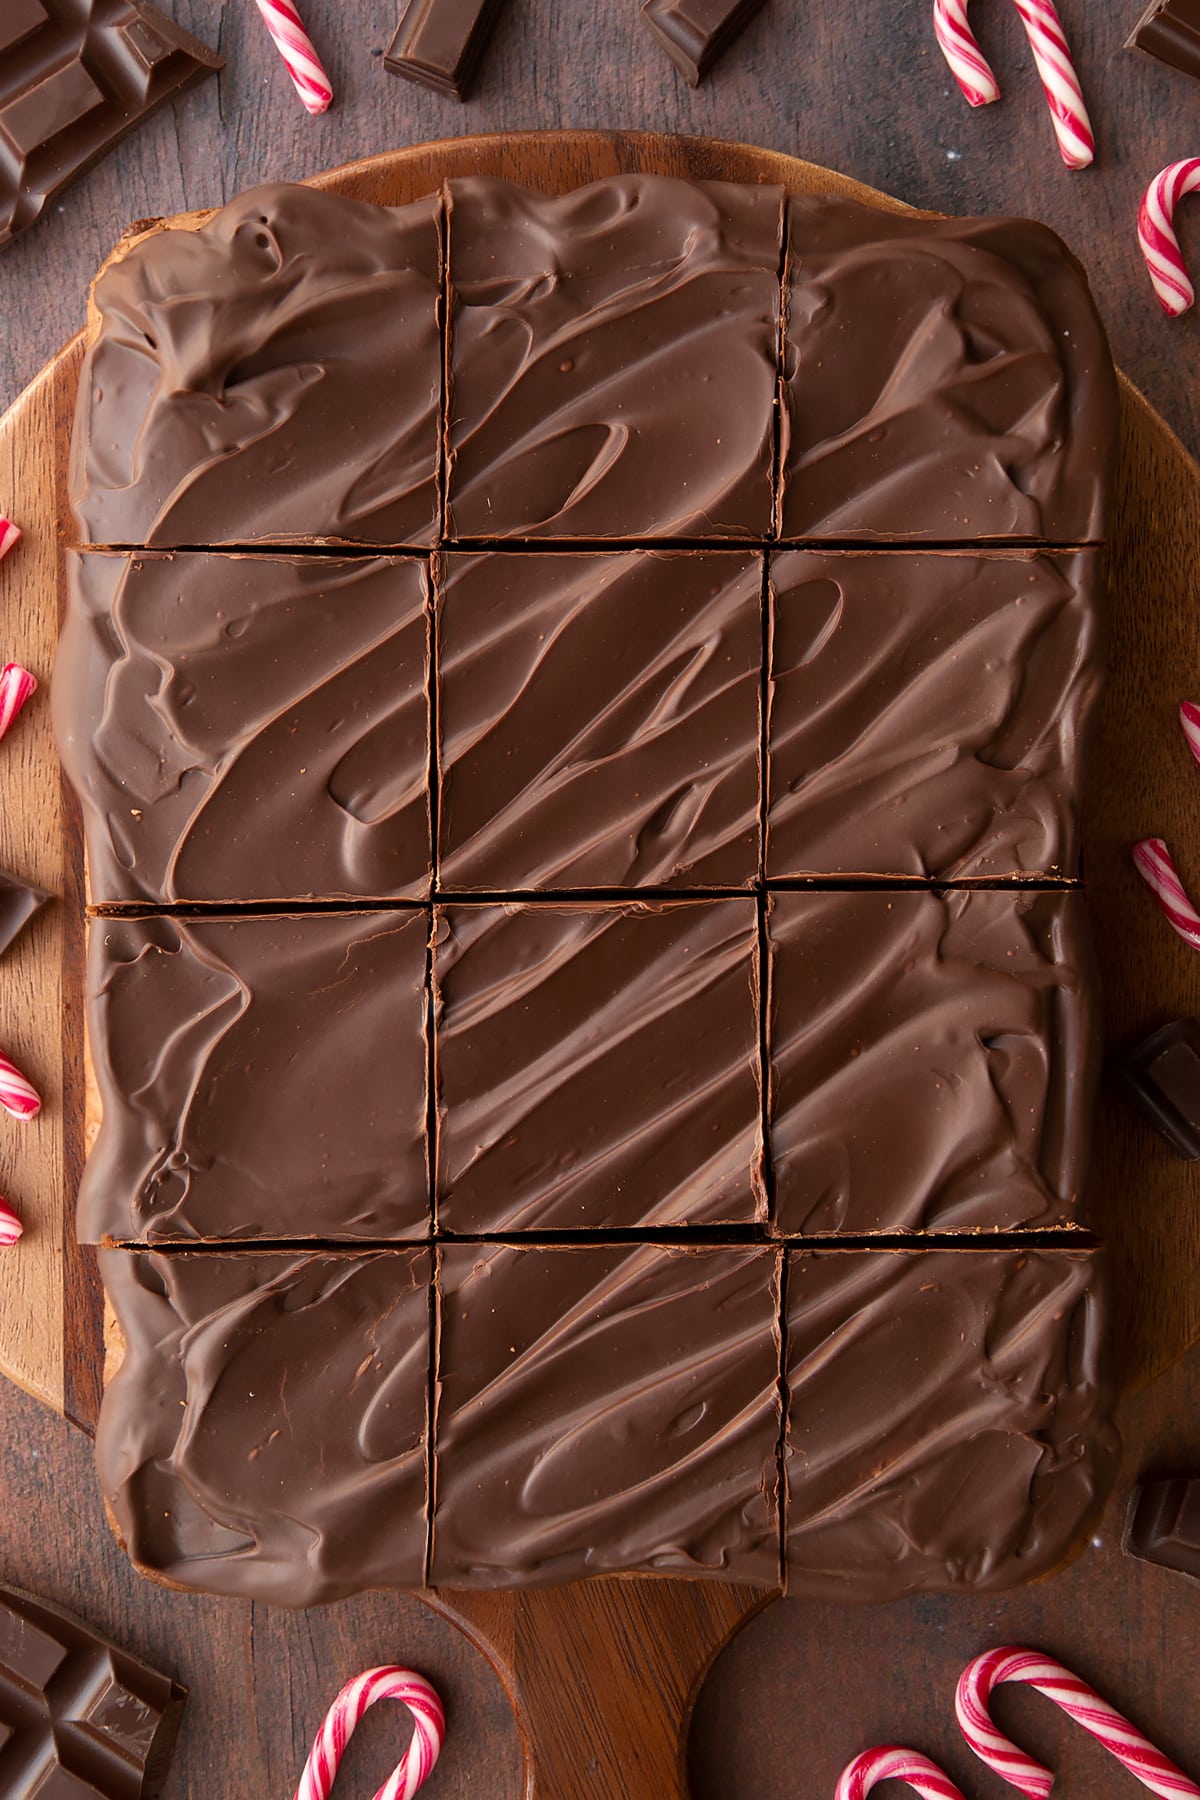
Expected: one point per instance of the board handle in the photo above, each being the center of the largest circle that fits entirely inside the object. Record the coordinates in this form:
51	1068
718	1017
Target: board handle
603	1675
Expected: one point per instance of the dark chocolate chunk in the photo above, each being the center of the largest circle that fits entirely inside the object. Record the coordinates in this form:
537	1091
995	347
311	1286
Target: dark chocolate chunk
245	728
1161	1076
274	377
260	1077
948	1419
945	379
19	901
265	1433
604	1410
76	77
597	1066
613	359
934	1060
1164	1524
79	1717
599	720
928	712
695	33
440	43
1169	30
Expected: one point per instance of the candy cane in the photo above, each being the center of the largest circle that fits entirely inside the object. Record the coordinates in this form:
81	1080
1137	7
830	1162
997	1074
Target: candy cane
17	1095
300	58
1079	1702
16	685
1052	58
10	1226
320	1771
1189	718
890	1762
1154	864
1158	239
9	535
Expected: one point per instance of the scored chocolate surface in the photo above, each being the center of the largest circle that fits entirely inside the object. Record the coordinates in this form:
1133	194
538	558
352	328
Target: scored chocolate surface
695	33
440	43
1169	30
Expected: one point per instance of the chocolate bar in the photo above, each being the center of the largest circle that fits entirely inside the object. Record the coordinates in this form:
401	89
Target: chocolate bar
1169	31
19	901
440	43
74	80
1160	1075
1164	1524
78	1716
695	33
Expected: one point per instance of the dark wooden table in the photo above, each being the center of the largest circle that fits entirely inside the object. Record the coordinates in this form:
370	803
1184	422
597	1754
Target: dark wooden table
862	89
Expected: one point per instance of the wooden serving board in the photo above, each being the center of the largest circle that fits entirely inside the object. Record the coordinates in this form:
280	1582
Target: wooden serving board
603	1675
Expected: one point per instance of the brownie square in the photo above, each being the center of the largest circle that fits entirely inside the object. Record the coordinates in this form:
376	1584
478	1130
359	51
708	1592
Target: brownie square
605	1410
272	378
599	719
597	1066
929	711
265	1434
613	359
947	1419
260	1078
934	1059
946	379
247	727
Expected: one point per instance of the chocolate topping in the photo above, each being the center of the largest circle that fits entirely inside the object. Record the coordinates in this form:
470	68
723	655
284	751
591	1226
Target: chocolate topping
1160	1075
695	33
273	377
245	728
945	379
606	1409
261	1077
78	1716
613	359
75	77
1164	1527
599	720
1169	30
264	1435
929	712
19	901
948	1420
440	43
597	1066
934	1060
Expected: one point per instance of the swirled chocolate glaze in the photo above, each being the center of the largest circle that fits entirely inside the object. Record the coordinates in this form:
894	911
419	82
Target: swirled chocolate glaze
274	377
606	1409
945	379
260	1077
934	1060
929	712
599	720
265	1434
247	728
597	1066
612	359
947	1419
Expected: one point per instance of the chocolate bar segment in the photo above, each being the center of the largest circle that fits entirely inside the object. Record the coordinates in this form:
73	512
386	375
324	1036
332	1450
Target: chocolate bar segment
265	1433
1161	1077
948	1419
606	1410
76	77
247	728
260	1078
929	712
599	720
1169	31
597	1066
934	1060
613	359
945	379
302	408
19	901
440	43
1164	1524
695	33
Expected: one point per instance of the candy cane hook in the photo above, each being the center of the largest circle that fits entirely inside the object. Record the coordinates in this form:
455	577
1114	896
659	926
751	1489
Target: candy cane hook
1052	58
891	1762
1189	718
1158	238
429	1721
1080	1702
1155	865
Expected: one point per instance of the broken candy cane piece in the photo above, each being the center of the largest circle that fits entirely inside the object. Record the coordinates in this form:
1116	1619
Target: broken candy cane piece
1158	238
1053	60
891	1762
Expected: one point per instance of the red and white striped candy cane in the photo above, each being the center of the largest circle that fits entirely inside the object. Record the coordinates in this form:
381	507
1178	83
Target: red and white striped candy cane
10	1226
1052	58
891	1762
300	58
10	534
1079	1702
17	1095
1154	863
418	1760
1189	718
16	685
1158	238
